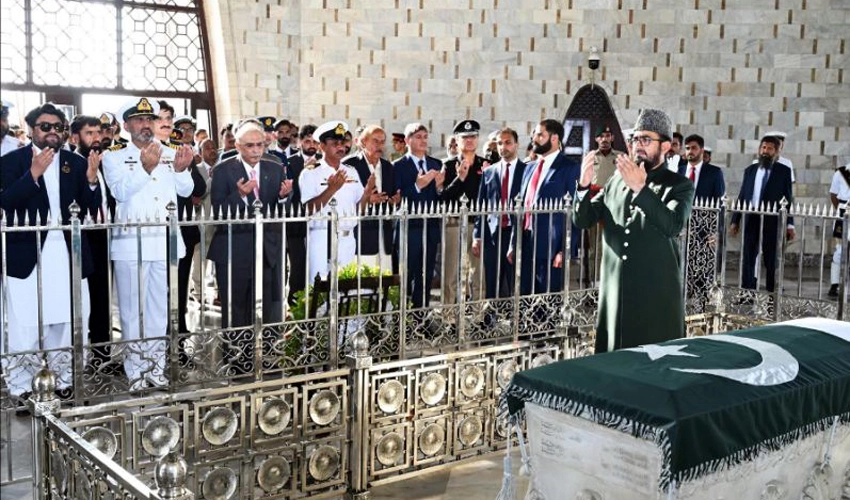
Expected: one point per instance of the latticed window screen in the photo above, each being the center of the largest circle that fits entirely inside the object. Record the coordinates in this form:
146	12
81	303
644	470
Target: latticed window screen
154	47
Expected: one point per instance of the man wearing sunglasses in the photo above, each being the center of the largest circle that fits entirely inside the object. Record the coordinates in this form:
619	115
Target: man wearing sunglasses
36	182
144	176
643	207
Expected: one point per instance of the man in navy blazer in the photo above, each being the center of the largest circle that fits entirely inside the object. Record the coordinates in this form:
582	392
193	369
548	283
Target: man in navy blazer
500	184
419	177
766	182
36	181
708	179
542	235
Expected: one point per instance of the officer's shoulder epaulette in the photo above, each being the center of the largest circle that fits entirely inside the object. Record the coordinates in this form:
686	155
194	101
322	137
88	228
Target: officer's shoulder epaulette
117	147
172	145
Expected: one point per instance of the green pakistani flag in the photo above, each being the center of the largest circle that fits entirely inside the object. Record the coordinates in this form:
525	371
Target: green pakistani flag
709	402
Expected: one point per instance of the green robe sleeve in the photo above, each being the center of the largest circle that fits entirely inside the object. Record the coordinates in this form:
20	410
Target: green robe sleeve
588	211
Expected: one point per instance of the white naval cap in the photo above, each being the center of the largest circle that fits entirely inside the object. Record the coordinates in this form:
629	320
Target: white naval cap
707	149
777	134
330	130
139	106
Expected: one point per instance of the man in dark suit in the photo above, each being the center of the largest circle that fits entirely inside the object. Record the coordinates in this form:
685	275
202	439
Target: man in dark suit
707	178
765	183
237	183
709	188
35	181
542	235
419	177
296	232
87	134
499	186
372	238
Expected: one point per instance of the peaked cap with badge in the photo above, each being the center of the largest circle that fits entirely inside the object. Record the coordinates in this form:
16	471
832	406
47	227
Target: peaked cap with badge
139	107
330	130
467	128
267	122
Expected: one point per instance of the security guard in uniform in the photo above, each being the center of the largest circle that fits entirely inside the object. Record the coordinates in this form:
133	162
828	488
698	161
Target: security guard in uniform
144	176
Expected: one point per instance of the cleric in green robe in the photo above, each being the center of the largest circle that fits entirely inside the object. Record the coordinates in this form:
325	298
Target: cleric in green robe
642	208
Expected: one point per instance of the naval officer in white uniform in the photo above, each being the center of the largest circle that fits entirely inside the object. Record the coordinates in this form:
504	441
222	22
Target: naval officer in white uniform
330	180
7	142
144	176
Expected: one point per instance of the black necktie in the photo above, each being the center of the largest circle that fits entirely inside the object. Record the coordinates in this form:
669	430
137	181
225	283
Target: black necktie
422	167
764	178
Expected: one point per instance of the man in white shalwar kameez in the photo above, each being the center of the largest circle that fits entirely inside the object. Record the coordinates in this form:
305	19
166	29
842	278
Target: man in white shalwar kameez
39	183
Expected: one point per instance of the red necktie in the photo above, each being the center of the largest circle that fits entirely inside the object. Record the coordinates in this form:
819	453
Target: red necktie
532	192
506	175
693	175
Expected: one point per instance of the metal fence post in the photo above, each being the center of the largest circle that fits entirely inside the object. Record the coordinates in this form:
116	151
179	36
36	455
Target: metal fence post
464	271
258	289
170	475
173	308
78	356
519	226
359	362
567	252
403	281
333	281
779	272
43	402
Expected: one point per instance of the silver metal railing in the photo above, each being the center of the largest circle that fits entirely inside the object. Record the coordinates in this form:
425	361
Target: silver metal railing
317	333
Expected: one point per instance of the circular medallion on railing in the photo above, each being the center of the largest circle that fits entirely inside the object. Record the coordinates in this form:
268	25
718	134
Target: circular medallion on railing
160	436
324	462
220	484
324	407
470	430
103	439
541	360
273	474
471	381
503	429
219	425
431	440
390	396
390	449
274	416
432	388
59	471
505	372
82	490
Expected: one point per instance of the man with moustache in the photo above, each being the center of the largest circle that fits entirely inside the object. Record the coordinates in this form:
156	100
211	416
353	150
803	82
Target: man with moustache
765	184
283	137
399	147
604	168
542	235
87	134
227	140
333	180
145	176
186	125
111	131
296	232
675	160
236	184
462	180
36	182
420	179
374	238
165	122
499	186
642	212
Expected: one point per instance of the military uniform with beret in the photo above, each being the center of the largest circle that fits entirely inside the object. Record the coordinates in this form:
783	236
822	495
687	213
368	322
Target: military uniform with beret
640	299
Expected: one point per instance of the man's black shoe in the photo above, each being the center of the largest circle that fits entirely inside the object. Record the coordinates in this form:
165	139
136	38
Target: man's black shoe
833	291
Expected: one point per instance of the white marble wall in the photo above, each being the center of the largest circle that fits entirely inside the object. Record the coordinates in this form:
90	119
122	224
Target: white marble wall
729	70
